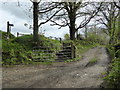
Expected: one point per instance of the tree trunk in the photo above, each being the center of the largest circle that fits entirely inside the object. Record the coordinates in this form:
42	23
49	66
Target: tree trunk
72	33
35	22
72	28
72	19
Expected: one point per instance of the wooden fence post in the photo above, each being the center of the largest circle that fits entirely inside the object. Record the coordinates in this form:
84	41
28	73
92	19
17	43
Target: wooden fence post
17	34
8	29
73	54
60	40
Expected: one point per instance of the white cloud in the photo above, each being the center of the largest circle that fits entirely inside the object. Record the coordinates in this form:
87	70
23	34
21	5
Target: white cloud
54	31
17	16
14	16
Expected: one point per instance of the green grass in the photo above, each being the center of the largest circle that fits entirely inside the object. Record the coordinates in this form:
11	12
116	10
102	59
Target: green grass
4	35
26	41
113	76
18	50
0	43
74	59
81	47
46	63
93	60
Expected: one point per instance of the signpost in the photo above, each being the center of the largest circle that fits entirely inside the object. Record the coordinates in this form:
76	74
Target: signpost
9	29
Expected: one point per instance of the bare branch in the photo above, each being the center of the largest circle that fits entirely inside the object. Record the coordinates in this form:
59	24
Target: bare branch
49	18
101	21
105	15
47	9
106	31
61	25
88	20
117	5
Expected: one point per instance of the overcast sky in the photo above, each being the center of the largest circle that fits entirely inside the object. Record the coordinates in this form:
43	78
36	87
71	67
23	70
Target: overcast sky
19	15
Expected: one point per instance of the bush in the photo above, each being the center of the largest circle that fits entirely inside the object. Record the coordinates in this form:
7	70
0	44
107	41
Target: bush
113	78
19	49
16	57
14	53
67	37
96	38
26	41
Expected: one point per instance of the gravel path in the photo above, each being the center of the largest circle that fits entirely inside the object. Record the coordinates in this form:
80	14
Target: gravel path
77	74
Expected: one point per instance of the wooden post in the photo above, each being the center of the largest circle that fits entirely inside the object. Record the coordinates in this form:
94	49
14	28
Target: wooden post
60	40
8	29
73	54
85	29
17	34
74	51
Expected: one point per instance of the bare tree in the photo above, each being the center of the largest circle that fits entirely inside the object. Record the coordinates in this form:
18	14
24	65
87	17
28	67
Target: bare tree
37	11
68	14
117	4
108	17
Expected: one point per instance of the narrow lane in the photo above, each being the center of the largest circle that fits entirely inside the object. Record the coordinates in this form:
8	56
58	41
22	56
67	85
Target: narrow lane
61	75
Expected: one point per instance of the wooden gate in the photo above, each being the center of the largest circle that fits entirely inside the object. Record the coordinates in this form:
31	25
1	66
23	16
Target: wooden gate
42	53
68	52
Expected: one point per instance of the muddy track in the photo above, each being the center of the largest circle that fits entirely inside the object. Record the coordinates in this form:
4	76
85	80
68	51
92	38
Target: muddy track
60	75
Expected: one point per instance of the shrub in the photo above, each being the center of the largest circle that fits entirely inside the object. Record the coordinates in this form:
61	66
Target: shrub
25	40
14	53
96	38
19	49
93	60
67	37
113	78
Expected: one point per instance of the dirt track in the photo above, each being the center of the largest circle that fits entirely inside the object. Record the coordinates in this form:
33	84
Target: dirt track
60	75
